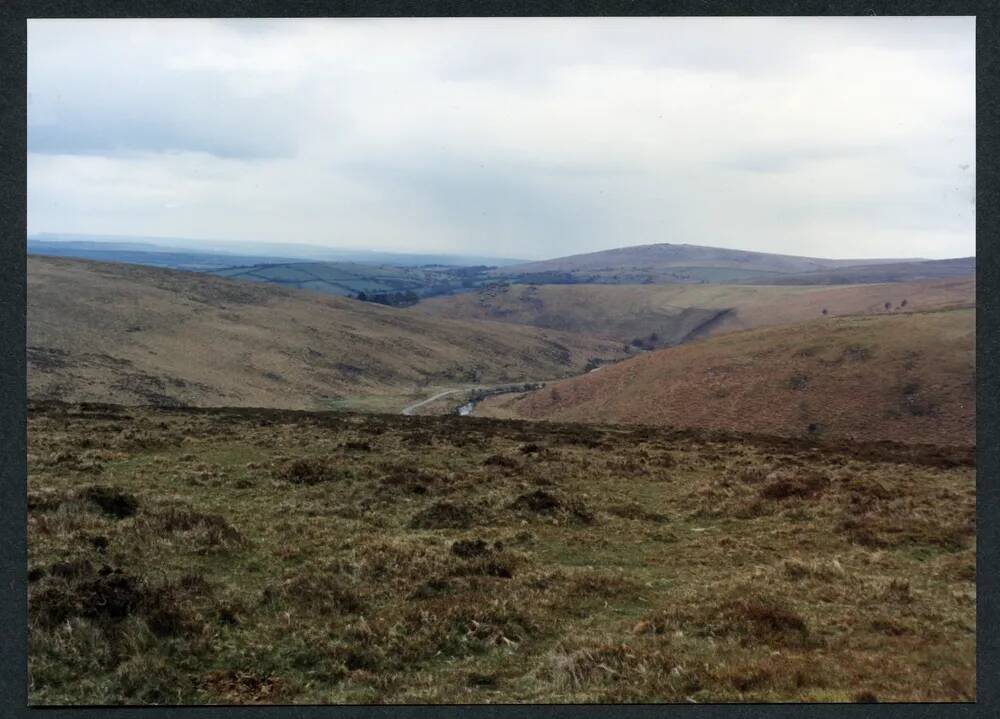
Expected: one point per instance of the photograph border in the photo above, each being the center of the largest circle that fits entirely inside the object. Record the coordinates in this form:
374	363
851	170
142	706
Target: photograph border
13	440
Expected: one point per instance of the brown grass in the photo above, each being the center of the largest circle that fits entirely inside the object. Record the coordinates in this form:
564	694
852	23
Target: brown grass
861	383
207	341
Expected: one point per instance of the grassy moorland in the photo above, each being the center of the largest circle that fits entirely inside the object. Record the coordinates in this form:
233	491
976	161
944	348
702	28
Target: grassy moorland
240	556
907	377
672	313
138	335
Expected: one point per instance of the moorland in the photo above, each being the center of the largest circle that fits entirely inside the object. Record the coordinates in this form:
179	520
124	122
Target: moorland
663	473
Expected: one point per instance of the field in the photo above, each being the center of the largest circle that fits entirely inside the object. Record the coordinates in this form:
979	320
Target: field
241	556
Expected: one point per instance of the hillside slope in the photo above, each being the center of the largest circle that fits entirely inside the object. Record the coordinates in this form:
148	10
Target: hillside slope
959	267
672	263
132	334
676	312
907	377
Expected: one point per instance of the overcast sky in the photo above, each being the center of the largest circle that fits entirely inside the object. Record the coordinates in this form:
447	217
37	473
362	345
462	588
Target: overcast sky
833	137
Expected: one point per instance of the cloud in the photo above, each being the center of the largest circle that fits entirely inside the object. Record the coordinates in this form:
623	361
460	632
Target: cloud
526	137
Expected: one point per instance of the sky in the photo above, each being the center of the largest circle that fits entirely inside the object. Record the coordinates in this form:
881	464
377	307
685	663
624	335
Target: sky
530	138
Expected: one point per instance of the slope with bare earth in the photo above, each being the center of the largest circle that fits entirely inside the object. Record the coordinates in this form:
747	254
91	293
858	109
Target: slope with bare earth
676	312
132	334
907	377
666	262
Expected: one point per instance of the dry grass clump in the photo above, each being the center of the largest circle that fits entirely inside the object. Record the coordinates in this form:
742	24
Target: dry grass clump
760	619
109	595
482	558
207	532
825	570
311	471
635	511
621	672
244	687
446	515
540	502
800	484
500	460
322	591
772	675
410	480
109	501
748	615
105	594
876	532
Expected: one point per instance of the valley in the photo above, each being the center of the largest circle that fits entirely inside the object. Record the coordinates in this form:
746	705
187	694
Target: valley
253	492
138	335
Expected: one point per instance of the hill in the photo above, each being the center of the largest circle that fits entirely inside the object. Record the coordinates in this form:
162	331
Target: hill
665	262
907	377
151	250
133	334
137	253
960	267
674	313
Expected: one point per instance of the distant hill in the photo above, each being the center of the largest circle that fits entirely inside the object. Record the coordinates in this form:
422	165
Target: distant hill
904	377
242	253
667	263
138	335
671	263
881	273
673	313
136	253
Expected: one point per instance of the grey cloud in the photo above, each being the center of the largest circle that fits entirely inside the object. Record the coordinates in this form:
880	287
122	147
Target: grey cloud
826	136
115	98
